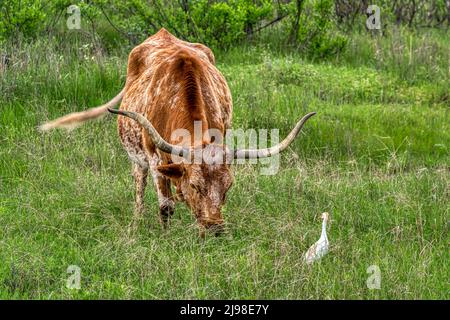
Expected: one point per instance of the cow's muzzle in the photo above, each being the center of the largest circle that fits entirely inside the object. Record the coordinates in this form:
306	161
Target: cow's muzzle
215	227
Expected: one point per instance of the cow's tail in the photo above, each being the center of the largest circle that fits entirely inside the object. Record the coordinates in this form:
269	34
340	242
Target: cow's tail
75	119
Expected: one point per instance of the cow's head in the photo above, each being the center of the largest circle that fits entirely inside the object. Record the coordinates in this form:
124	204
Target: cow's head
203	187
204	177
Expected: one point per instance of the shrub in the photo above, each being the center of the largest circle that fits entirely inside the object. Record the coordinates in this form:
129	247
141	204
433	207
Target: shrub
314	29
21	17
215	23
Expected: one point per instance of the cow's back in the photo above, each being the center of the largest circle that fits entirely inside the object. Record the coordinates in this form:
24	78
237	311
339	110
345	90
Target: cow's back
153	88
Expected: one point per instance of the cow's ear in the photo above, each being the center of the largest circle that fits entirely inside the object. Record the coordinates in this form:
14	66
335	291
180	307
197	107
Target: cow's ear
172	171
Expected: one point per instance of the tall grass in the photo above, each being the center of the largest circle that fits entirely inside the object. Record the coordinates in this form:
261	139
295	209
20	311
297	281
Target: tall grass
375	157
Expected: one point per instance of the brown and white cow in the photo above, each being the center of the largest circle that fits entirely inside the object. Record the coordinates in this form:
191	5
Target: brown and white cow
172	84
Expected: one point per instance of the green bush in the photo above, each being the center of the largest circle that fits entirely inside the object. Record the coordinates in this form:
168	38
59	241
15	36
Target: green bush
213	22
222	24
24	17
317	34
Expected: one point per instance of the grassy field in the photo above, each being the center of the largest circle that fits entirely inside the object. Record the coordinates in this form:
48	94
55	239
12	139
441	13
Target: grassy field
376	157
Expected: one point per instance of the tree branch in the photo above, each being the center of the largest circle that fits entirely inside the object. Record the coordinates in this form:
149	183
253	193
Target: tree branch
126	36
270	23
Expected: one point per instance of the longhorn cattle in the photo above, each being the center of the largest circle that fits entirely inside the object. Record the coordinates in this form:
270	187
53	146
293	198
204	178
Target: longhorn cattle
172	84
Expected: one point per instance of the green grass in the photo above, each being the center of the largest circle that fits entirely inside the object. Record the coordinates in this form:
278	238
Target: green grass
376	157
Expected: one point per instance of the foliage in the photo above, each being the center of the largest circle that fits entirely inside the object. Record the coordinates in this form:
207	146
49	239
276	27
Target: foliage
215	23
21	17
314	28
416	13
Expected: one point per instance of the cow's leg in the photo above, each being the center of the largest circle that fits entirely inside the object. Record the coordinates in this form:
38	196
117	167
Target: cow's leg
140	180
165	198
166	201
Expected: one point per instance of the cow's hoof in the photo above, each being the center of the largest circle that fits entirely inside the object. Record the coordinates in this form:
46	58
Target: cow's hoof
165	212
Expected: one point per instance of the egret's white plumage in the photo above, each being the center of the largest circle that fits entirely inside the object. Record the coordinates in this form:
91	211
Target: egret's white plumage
320	248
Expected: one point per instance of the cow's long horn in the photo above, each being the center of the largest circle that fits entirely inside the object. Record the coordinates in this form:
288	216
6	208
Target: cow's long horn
267	152
159	142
